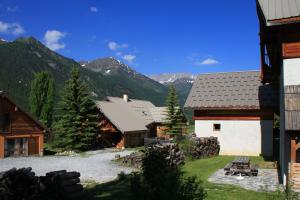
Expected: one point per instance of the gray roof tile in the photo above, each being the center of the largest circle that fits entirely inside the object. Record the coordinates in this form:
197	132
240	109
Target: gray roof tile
128	116
159	114
235	90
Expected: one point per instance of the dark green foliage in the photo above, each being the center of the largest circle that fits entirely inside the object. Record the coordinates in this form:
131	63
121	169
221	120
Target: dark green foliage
159	180
41	98
186	146
174	116
276	123
191	189
183	87
76	129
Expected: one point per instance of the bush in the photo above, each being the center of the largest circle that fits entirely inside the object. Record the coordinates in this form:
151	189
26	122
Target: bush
160	180
190	189
186	146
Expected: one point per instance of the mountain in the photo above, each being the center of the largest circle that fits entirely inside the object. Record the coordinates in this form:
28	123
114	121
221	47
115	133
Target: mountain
2	41
122	79
166	78
183	87
20	59
182	82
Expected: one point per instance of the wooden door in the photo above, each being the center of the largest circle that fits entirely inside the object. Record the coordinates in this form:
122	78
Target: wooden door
33	146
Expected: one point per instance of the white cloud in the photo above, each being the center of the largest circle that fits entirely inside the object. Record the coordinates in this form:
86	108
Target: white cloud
93	9
11	28
52	39
129	57
115	46
208	61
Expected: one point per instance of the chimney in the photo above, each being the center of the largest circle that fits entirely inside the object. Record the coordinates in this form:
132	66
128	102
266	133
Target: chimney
125	97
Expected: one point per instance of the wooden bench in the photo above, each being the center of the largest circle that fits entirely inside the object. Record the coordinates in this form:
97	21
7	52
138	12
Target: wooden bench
227	168
254	170
241	165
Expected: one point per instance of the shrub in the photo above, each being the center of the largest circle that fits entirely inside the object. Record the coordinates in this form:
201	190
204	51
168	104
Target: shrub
190	189
160	180
186	146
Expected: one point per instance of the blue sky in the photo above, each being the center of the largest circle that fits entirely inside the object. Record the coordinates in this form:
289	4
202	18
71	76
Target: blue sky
152	36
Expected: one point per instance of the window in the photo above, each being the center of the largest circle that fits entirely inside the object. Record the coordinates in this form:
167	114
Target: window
4	122
217	127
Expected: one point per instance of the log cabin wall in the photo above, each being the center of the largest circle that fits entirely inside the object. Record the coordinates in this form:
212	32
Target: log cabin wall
133	139
109	135
16	124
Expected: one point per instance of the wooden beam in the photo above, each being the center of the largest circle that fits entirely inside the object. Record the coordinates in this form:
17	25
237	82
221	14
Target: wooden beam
227	118
286	20
200	116
293	150
291	50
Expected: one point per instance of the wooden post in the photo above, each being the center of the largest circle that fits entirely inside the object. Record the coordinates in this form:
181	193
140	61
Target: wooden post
293	150
2	141
262	58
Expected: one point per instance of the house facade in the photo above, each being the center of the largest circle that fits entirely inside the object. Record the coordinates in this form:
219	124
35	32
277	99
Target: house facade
126	122
20	133
279	23
237	109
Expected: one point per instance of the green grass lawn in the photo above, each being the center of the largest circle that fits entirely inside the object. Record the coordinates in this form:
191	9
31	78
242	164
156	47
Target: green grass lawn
119	189
206	167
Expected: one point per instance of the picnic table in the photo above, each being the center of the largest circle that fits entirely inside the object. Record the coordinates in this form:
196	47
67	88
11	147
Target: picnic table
241	165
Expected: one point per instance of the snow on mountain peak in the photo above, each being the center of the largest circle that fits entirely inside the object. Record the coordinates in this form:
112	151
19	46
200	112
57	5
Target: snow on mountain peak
171	77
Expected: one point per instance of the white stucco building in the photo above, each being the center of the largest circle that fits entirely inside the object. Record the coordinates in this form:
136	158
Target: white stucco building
237	109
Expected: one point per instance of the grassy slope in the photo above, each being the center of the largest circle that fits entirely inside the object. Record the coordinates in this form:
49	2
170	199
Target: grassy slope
204	168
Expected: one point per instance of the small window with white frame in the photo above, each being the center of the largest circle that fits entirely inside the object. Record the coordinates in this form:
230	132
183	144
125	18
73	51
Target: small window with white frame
217	127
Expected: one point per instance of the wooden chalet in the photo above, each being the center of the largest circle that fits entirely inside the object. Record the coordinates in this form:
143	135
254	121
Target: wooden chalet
126	122
20	133
279	22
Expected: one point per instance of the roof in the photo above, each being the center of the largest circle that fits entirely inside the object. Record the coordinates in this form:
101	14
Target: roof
129	116
4	95
158	114
279	9
230	91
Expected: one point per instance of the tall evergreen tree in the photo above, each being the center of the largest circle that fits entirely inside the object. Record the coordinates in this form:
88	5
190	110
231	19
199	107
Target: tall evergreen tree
41	97
76	128
175	119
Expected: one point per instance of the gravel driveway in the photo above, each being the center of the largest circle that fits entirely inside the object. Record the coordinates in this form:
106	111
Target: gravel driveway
93	166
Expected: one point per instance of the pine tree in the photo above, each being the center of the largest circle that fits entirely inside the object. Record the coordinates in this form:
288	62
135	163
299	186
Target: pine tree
175	119
41	97
76	128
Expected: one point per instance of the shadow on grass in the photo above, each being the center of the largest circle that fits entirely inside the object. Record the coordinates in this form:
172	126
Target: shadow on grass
114	190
